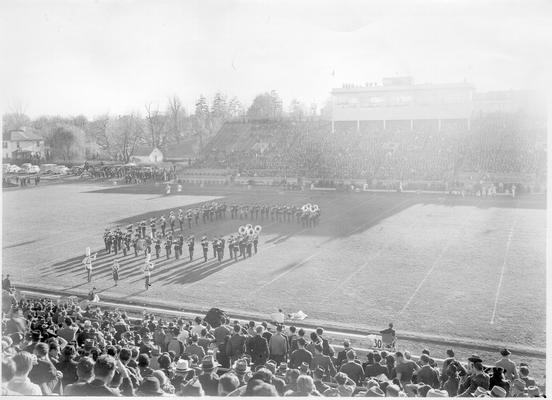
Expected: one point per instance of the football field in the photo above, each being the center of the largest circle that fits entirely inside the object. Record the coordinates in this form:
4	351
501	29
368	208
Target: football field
452	267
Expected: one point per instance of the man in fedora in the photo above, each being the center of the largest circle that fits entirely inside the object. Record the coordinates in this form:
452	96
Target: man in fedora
509	366
182	373
477	377
208	378
241	369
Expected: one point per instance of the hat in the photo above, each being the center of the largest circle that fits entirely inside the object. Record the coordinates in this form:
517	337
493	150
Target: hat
450	353
375	392
208	363
498	391
241	367
505	352
475	358
479	391
87	324
88	344
271	366
437	393
533	391
150	386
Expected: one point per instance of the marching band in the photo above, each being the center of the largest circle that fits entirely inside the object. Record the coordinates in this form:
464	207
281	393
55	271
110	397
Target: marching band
168	232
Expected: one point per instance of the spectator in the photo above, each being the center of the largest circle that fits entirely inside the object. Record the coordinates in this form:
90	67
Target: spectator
241	369
227	384
8	373
318	375
342	355
345	385
235	347
278	346
21	383
44	374
450	358
291	380
300	355
476	378
373	368
524	376
68	331
68	366
497	379
405	368
352	368
208	378
305	387
194	348
507	365
257	348
426	374
322	361
451	380
328	350
85	373
150	387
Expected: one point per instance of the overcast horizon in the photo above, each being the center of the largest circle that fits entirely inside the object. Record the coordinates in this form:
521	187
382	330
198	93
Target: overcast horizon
95	57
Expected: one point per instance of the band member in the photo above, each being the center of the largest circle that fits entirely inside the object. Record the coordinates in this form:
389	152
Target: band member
177	249
106	237
87	261
181	219
157	246
181	242
138	230
242	246
148	266
231	246
172	220
163	224
214	243
153	226
221	248
168	245
167	190
189	216
149	242
109	242
205	246
135	245
196	216
249	244
143	228
115	271
114	242
235	248
255	241
191	242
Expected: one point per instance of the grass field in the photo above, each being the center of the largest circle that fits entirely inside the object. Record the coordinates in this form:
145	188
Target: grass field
465	268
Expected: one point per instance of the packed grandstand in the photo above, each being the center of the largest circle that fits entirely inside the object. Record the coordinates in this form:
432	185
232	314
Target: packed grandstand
64	346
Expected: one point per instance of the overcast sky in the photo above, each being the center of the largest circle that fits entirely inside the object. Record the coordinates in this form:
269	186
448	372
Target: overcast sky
93	57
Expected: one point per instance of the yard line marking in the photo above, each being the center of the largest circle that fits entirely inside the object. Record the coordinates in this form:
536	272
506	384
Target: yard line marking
323	249
285	272
508	243
371	258
445	248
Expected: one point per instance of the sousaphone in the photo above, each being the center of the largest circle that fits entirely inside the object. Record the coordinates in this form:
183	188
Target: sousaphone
258	229
242	230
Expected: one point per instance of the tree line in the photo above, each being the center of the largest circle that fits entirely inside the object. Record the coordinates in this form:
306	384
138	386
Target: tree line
109	137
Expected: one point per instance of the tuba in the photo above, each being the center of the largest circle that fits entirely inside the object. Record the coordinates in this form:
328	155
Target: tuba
242	230
258	229
250	232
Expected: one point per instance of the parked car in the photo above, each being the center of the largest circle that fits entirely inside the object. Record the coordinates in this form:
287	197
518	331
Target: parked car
48	168
13	169
61	169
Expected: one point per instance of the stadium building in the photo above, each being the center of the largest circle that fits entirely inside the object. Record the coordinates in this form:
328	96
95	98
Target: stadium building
400	104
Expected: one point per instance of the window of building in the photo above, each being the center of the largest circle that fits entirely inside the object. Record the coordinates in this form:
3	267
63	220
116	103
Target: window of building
5	145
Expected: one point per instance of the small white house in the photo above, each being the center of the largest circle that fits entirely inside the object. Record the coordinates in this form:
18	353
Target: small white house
147	156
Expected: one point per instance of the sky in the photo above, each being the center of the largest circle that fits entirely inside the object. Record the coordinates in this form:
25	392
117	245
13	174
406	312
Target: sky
71	57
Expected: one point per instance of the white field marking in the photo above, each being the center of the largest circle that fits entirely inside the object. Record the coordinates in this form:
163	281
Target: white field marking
445	248
285	272
508	243
320	250
371	258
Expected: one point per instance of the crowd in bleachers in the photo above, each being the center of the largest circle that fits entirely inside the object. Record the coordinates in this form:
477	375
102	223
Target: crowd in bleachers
130	174
65	348
493	145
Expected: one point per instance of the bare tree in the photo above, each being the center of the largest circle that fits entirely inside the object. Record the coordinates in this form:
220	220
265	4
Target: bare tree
156	123
122	136
177	117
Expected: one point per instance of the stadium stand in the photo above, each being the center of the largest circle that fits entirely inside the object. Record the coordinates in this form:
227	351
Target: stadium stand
70	347
496	144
